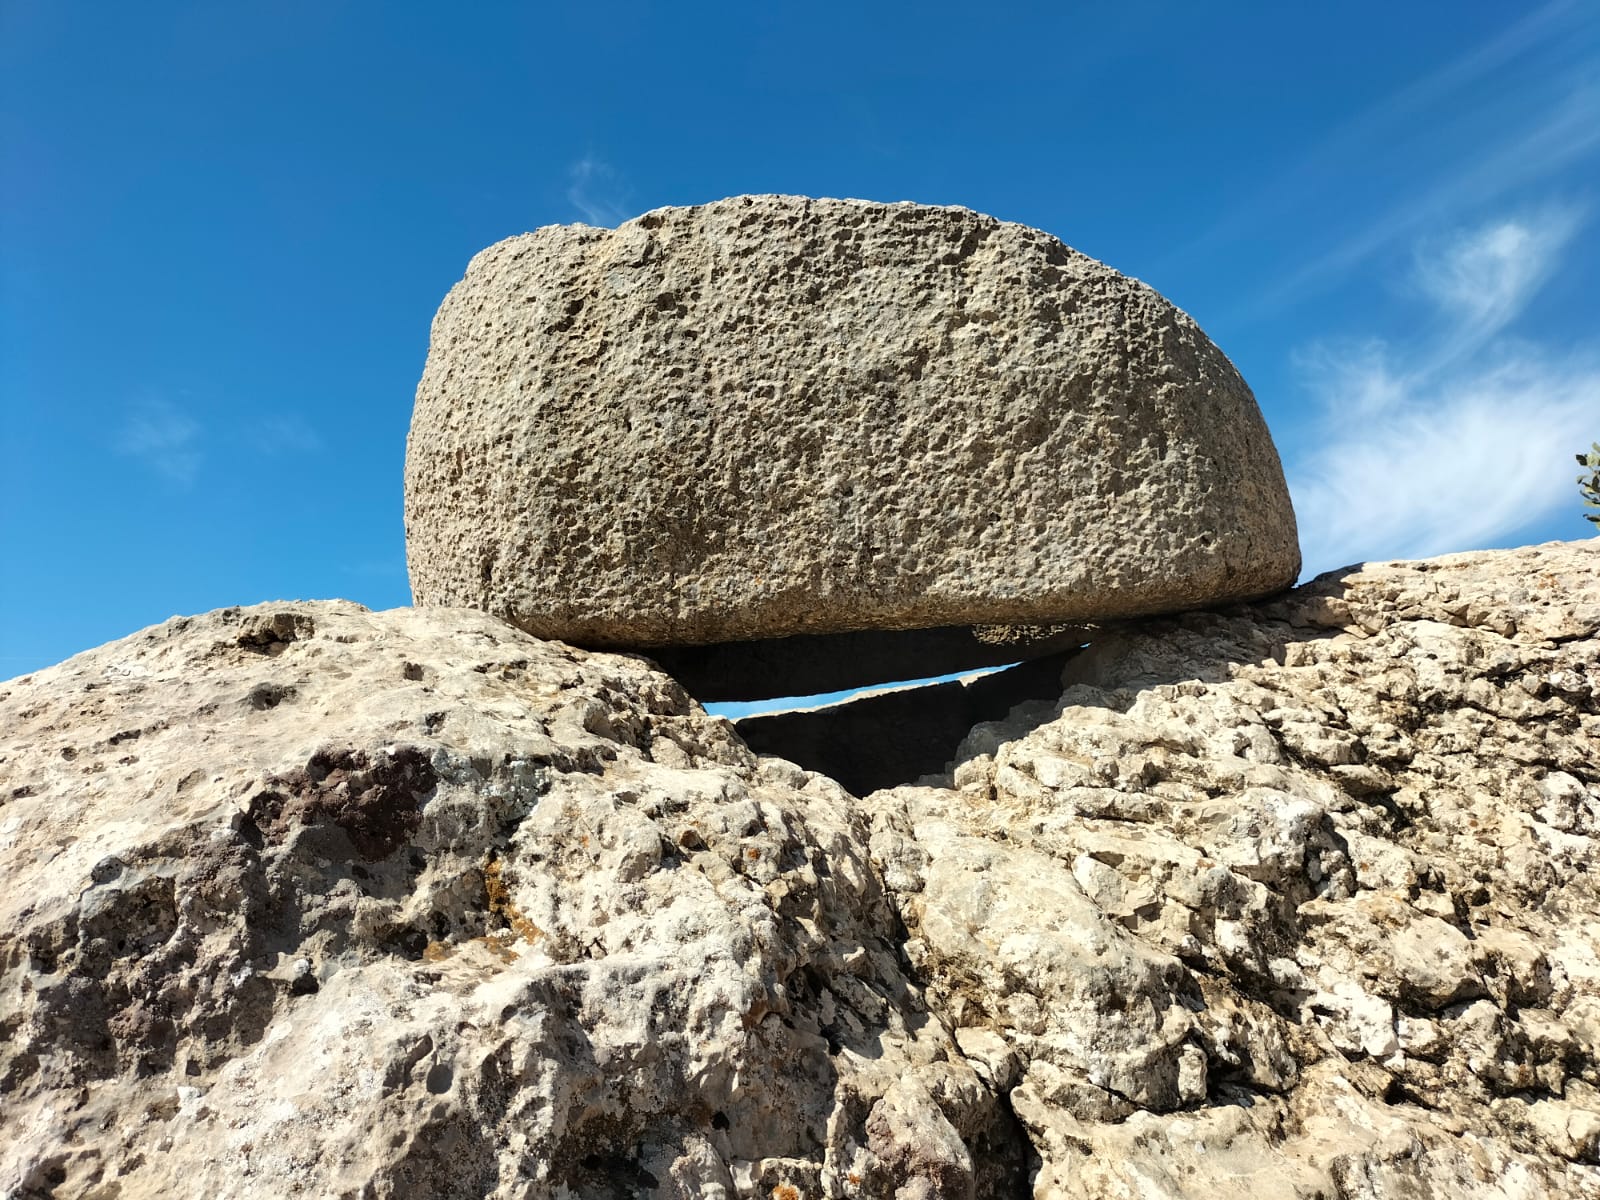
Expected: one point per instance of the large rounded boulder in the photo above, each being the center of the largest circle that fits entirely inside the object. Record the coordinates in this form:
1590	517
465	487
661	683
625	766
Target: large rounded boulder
772	416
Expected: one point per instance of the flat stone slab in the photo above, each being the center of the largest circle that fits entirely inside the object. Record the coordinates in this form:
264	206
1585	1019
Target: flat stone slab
774	416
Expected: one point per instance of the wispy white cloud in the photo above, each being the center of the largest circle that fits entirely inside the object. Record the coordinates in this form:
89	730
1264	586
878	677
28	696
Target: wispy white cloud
1486	276
1513	113
1459	440
1353	378
1520	155
597	191
164	439
1460	464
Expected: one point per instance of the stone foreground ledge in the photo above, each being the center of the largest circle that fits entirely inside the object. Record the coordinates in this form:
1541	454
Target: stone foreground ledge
1298	899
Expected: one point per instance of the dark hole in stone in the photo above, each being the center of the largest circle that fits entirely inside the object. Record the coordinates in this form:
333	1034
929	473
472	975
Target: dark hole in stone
268	695
439	1079
375	799
107	869
719	1120
813	664
411	943
620	1170
271	633
250	833
884	739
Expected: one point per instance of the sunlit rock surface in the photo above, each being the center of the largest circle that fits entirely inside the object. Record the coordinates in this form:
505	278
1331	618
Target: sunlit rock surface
773	415
1297	899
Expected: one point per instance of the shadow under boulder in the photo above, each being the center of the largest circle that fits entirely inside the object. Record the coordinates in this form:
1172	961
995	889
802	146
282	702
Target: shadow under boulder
811	664
896	737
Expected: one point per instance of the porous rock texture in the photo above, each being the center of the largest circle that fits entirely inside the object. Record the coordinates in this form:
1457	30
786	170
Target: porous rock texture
773	416
304	899
1296	899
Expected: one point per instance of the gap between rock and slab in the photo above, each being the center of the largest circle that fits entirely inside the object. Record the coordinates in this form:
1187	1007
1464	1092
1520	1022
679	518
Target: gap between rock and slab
818	664
888	738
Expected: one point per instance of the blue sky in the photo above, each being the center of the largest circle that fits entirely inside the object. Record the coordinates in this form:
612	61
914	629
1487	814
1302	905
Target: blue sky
226	228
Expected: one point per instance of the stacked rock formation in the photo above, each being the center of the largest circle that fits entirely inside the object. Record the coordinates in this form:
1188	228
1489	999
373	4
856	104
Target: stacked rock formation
774	417
1298	899
1295	898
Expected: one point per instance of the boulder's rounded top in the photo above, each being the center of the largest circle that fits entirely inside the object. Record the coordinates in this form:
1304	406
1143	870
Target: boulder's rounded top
780	209
774	415
783	202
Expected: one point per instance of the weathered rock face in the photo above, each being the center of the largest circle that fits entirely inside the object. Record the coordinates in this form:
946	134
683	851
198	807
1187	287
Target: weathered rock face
1300	899
773	416
308	899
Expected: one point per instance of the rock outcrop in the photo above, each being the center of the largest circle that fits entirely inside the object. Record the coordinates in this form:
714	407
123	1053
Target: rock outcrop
774	416
303	899
1298	899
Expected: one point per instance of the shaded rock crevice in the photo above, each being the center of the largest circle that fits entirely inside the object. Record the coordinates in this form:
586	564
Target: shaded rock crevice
899	735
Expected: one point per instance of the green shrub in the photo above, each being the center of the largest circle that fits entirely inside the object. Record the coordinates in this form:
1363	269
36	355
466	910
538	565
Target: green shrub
1589	484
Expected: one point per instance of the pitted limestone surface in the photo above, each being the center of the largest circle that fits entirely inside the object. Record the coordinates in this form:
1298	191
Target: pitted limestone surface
1298	899
771	416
